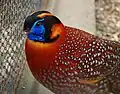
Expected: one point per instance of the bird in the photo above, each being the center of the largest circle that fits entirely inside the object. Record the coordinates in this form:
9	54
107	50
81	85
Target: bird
67	60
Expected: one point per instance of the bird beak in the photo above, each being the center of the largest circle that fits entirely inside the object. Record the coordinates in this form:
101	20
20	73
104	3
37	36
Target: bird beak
26	31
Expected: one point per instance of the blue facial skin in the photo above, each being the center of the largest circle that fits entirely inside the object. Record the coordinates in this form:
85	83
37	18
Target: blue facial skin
37	31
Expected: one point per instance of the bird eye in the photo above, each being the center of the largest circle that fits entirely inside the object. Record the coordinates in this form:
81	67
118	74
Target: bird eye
38	24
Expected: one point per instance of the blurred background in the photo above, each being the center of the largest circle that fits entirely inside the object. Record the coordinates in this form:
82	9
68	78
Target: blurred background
99	17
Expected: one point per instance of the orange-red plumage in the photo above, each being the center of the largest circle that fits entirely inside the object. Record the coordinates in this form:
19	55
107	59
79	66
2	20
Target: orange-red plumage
76	63
39	53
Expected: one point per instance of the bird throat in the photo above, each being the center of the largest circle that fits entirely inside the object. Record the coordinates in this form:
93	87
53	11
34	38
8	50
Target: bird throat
41	55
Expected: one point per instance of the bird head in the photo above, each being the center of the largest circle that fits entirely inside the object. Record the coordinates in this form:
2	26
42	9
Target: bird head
43	27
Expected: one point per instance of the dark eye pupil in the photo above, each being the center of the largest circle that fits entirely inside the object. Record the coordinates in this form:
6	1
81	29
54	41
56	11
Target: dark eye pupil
38	24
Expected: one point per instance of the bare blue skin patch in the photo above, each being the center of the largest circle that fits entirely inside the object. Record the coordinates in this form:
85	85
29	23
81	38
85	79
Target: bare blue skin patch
37	31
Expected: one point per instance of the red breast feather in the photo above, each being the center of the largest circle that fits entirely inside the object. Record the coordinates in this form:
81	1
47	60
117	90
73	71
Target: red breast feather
82	59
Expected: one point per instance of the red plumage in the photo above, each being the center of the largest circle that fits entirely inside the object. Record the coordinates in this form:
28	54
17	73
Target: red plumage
80	59
74	62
